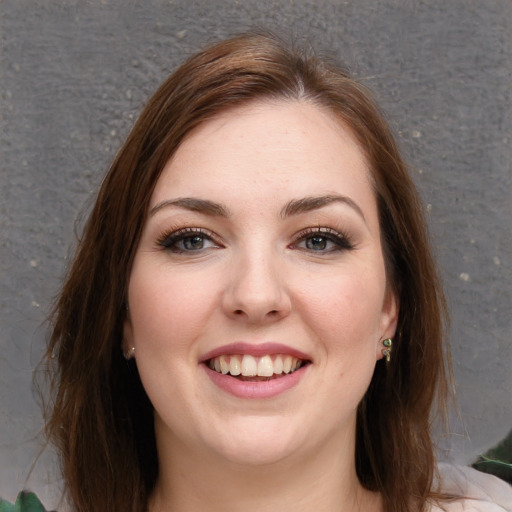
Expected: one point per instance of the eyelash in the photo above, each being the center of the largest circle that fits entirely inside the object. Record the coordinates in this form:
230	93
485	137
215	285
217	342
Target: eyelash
341	240
170	239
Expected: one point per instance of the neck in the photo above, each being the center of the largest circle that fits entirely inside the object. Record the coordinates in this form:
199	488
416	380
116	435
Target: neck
318	482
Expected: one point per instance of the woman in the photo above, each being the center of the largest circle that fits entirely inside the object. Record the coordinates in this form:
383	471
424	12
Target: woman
253	318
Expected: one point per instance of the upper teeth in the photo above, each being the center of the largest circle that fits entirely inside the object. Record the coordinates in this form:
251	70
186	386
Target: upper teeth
250	366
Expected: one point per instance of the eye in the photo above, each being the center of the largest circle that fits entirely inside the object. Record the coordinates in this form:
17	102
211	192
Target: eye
322	240
187	240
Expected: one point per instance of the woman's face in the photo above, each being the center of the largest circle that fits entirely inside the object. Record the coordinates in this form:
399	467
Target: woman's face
258	299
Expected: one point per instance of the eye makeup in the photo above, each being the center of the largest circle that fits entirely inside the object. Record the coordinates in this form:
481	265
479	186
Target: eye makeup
187	240
195	240
322	240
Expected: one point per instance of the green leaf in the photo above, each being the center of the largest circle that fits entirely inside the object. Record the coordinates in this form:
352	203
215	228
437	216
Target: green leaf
25	502
497	461
5	506
29	502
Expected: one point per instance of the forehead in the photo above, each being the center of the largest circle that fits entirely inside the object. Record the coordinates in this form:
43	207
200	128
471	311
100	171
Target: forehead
267	149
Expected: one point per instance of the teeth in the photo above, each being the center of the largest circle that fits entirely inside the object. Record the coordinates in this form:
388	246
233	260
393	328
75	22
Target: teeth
265	367
234	365
250	366
287	364
224	367
278	365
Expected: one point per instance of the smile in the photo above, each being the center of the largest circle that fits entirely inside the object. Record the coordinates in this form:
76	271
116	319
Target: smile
256	371
266	367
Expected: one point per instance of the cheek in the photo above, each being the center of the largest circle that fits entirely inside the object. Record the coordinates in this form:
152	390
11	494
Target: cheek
344	311
343	315
168	307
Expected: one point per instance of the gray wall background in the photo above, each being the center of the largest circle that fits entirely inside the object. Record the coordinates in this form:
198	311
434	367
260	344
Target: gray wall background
74	75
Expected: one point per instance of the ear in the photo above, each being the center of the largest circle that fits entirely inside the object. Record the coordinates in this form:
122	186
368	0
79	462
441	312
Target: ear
127	344
389	319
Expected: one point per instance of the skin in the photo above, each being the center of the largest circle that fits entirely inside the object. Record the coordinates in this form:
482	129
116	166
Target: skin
255	276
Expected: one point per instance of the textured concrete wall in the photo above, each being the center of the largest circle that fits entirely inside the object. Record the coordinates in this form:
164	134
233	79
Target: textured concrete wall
74	74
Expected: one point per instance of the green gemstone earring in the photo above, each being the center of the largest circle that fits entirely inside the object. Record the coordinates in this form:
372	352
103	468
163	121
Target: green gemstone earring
388	343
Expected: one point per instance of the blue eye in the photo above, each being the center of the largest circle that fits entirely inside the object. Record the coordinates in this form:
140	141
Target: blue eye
322	240
187	240
317	243
192	243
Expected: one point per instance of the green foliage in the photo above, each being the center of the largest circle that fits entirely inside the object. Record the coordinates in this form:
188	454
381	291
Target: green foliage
25	502
497	461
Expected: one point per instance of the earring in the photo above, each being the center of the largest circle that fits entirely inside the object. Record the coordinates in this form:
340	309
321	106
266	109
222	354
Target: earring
129	353
386	352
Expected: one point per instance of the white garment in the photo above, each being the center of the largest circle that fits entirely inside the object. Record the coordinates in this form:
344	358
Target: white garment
483	492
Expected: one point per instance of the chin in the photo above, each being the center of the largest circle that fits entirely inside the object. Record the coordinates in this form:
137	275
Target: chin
258	444
256	455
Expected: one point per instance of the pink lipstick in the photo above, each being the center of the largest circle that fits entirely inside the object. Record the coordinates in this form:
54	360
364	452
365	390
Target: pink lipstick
255	371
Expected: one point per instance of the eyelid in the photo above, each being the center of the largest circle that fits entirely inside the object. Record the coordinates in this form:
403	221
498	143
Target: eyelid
341	239
172	235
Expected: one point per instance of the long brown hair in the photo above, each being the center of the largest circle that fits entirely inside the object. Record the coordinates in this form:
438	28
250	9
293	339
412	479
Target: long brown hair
100	418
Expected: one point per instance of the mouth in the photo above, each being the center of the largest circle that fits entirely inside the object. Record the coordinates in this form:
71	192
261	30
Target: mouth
249	368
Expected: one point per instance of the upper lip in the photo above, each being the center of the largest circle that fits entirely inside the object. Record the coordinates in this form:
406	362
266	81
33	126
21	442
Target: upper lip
256	350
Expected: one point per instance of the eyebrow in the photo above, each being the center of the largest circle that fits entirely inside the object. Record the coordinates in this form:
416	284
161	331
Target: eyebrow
293	207
193	204
307	204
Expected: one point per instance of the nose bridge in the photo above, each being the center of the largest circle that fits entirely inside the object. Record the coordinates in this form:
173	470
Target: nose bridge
257	291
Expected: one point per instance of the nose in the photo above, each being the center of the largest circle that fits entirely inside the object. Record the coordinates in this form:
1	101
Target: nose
257	292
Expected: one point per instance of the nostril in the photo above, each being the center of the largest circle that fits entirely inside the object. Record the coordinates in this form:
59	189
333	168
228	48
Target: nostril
238	312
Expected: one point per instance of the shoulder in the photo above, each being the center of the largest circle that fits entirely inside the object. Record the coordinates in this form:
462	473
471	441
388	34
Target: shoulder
480	492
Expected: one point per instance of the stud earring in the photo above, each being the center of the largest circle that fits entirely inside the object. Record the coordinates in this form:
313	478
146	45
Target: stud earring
386	352
129	353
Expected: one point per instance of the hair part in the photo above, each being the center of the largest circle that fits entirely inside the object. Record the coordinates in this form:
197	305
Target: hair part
100	418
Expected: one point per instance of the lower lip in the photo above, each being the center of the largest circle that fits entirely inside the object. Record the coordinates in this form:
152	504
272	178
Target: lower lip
256	390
